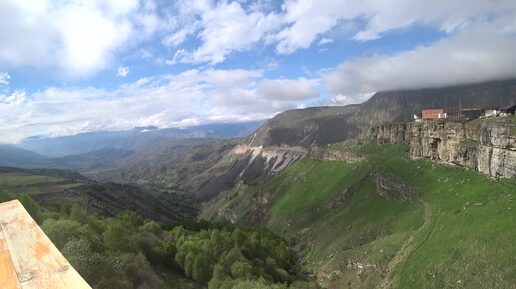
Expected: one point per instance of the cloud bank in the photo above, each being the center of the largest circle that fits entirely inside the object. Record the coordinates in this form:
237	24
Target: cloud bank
77	39
457	60
187	98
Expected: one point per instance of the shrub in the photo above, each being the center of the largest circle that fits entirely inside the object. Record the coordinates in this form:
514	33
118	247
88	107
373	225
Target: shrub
34	210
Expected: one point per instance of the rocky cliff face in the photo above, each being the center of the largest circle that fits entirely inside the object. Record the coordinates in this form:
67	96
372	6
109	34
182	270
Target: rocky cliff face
244	163
486	145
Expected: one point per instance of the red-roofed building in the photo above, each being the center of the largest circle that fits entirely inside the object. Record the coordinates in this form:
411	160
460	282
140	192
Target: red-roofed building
433	113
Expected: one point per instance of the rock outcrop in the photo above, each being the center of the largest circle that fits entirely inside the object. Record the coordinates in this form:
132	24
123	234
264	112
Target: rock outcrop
321	153
486	145
244	163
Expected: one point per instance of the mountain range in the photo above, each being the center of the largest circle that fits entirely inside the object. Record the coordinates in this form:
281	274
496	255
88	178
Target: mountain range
206	160
288	136
131	140
357	211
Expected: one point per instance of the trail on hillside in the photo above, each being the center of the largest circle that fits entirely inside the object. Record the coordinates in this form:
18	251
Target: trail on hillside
406	249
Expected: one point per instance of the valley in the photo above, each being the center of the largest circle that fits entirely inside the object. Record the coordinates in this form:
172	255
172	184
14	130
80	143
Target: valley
56	188
323	197
385	222
267	144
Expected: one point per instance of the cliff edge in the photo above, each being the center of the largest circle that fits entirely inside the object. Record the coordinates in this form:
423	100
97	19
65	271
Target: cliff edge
487	145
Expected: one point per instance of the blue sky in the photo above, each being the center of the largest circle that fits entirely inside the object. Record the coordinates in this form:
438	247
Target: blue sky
84	65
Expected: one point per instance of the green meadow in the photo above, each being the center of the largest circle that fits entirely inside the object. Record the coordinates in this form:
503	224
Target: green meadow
428	226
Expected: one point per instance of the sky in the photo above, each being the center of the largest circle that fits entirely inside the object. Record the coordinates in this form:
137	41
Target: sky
71	66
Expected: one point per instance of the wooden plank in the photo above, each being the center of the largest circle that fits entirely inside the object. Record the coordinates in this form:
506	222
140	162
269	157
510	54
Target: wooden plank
8	276
37	262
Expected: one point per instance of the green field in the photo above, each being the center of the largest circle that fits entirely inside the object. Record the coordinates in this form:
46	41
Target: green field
58	188
31	184
432	226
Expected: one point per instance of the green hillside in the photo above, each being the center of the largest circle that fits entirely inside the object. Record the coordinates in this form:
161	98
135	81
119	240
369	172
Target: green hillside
54	188
386	222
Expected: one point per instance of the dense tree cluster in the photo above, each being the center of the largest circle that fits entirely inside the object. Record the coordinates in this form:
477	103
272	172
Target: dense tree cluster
108	253
129	252
233	257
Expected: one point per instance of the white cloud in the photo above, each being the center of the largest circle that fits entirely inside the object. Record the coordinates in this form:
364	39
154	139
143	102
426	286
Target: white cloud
16	98
79	38
340	99
307	19
178	37
122	71
325	40
193	96
82	37
223	27
76	37
448	16
477	54
287	89
4	78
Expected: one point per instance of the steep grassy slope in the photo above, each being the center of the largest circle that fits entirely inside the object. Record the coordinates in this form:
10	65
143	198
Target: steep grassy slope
386	222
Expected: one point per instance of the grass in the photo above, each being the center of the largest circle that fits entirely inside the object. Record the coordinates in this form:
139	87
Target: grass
22	179
24	183
471	243
315	183
466	239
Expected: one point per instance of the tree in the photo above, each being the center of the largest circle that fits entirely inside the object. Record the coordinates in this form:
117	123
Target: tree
83	259
260	284
152	227
219	277
34	210
77	214
241	270
201	271
130	217
62	231
178	232
168	251
5	196
116	238
188	265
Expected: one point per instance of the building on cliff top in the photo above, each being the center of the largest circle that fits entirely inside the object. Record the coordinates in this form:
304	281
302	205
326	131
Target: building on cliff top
471	113
433	113
28	259
464	113
508	110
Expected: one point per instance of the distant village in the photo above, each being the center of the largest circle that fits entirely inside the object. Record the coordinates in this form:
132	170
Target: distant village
464	113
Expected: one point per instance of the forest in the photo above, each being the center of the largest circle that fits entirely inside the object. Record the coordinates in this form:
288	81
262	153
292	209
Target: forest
128	251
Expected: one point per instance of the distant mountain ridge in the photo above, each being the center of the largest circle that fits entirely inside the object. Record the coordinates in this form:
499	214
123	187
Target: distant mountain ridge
131	140
11	155
206	168
280	139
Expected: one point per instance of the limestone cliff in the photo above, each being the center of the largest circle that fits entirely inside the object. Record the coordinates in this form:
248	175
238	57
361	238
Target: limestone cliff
486	145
